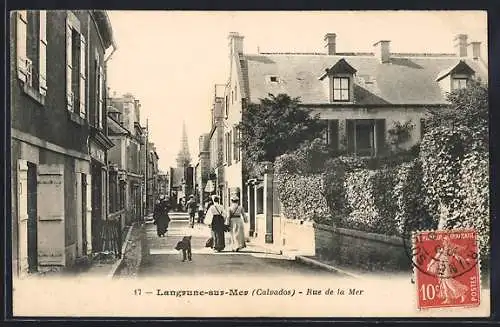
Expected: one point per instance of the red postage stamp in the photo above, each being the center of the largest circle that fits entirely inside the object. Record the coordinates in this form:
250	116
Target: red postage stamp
446	268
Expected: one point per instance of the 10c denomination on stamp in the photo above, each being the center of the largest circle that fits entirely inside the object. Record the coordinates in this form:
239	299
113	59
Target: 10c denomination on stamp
446	268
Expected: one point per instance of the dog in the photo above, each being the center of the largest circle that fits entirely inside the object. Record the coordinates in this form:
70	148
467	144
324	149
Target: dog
185	246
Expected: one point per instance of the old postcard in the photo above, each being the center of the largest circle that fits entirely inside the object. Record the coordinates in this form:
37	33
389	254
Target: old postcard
250	164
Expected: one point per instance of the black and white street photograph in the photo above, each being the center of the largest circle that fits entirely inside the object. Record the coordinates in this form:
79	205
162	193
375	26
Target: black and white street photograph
249	163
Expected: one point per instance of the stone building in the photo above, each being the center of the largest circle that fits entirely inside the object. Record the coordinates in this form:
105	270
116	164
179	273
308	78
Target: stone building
126	177
59	137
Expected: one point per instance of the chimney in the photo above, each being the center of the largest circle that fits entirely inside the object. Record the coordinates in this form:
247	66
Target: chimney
476	50
235	43
382	50
330	39
461	45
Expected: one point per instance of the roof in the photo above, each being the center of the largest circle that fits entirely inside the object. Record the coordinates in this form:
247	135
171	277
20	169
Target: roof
115	128
405	80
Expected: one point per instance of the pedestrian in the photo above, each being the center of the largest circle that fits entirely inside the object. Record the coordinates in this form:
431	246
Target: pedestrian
191	207
236	218
215	218
161	217
201	213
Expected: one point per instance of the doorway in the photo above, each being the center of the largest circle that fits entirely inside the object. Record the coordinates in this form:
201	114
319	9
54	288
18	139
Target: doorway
32	219
84	214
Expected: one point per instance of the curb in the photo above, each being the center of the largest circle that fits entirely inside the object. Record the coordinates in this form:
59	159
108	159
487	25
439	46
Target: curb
114	268
319	264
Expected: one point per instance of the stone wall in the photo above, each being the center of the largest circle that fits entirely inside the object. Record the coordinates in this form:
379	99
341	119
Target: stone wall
366	251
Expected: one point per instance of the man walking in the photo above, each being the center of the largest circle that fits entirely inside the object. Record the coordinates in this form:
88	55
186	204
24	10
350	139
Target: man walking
191	207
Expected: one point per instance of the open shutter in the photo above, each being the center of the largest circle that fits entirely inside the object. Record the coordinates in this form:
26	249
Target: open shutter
350	136
101	95
42	69
21	40
88	217
22	214
83	77
69	67
50	205
333	137
380	136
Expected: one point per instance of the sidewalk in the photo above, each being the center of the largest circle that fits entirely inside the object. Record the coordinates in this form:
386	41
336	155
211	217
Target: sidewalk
307	260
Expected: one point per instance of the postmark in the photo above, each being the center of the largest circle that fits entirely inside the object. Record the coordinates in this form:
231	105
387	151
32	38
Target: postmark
446	268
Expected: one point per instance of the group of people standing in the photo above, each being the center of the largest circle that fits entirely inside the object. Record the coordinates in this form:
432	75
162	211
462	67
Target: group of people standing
214	215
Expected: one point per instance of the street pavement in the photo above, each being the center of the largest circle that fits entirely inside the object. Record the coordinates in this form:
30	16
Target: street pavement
160	257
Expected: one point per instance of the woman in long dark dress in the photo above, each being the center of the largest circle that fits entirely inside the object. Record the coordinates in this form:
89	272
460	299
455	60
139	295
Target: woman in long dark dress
216	219
161	216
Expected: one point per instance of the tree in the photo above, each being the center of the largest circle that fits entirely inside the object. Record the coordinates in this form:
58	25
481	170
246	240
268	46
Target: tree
275	126
468	109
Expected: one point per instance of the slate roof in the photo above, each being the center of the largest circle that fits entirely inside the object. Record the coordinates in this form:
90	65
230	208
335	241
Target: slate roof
115	128
405	80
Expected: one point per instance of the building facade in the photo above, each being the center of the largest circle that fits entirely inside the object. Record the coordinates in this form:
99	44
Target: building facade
126	176
152	173
361	96
59	141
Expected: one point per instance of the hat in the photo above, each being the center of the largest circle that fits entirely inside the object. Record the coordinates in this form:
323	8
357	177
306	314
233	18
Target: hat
162	197
191	196
235	198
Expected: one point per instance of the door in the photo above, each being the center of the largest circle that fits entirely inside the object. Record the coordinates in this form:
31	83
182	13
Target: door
32	218
84	213
50	206
96	206
364	138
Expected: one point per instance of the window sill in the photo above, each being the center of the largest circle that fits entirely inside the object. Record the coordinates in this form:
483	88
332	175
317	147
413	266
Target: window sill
76	118
34	94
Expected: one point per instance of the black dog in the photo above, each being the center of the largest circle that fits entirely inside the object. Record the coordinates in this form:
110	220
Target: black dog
185	246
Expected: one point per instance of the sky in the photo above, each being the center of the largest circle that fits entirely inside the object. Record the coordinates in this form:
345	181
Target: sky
171	60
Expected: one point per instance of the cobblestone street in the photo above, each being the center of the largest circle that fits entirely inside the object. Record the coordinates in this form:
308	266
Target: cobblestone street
160	257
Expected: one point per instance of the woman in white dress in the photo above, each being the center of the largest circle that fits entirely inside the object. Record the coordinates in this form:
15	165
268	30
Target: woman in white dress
236	218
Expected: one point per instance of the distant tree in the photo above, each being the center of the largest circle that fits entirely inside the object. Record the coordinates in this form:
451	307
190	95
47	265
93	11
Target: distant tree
275	126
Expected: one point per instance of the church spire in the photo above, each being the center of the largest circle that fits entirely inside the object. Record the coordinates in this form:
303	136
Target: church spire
184	158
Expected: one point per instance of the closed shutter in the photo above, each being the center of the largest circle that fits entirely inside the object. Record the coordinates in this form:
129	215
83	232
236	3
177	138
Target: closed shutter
88	223
22	214
380	136
350	136
69	67
21	40
42	63
334	134
50	205
83	77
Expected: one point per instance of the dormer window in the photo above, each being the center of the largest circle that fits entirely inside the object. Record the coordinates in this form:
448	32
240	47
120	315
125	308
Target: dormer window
455	77
273	79
340	79
341	86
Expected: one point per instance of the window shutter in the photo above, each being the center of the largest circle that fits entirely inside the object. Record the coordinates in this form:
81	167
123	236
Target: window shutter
333	137
42	62
350	136
69	67
21	40
88	211
101	94
380	136
22	215
51	231
83	77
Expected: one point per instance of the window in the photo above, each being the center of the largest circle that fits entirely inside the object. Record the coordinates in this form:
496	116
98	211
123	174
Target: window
232	97
227	105
75	67
98	91
365	137
236	144
459	83
236	92
31	50
274	79
331	134
340	89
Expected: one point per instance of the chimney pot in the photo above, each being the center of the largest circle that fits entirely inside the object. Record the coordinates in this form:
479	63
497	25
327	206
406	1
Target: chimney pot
461	45
476	50
382	50
330	39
